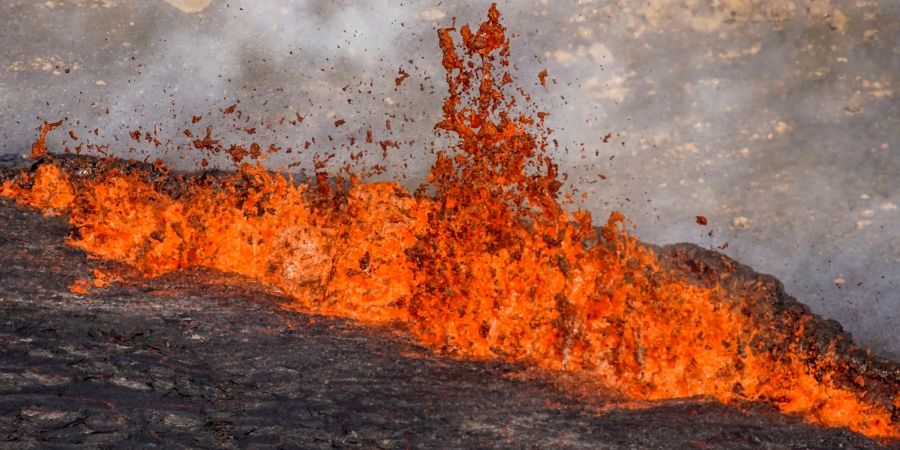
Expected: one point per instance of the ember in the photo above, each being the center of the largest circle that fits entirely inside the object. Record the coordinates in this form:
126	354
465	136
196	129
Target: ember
489	266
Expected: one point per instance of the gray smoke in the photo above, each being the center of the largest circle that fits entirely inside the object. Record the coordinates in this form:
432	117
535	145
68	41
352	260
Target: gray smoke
777	120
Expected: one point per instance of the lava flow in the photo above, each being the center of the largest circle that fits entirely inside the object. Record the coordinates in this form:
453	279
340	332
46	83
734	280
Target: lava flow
487	265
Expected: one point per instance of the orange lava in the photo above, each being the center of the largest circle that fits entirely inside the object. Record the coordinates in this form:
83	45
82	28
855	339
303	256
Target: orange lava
488	266
48	189
39	148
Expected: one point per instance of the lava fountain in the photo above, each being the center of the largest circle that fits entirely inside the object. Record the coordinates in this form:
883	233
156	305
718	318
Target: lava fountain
482	262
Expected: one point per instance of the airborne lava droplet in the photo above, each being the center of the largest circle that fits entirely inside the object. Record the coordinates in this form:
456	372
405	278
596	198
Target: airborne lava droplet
39	149
401	77
701	220
483	262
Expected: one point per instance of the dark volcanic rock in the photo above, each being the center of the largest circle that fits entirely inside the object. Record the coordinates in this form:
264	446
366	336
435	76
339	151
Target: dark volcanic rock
202	359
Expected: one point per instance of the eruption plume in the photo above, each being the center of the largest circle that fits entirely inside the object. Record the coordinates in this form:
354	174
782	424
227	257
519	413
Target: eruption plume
481	262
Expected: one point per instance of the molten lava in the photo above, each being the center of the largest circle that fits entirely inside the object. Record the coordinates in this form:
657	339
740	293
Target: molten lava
488	266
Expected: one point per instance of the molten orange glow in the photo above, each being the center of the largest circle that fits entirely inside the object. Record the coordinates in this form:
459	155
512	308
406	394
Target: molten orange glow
48	189
489	266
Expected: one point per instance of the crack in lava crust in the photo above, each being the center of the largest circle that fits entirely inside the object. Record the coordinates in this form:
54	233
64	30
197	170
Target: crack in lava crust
489	266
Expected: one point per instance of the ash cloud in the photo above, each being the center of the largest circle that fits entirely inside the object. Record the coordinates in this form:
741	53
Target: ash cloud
776	120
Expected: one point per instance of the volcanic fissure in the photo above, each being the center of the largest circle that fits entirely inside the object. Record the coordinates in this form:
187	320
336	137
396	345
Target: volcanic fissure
483	262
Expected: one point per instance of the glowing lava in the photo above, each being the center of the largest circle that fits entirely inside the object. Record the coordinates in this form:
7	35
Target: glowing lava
489	266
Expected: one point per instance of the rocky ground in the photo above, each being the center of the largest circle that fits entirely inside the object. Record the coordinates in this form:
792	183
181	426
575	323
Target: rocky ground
201	359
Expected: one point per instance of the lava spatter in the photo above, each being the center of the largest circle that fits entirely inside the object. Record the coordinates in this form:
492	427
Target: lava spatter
488	266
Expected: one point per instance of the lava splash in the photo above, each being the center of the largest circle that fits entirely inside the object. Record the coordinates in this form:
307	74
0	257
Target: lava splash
483	262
